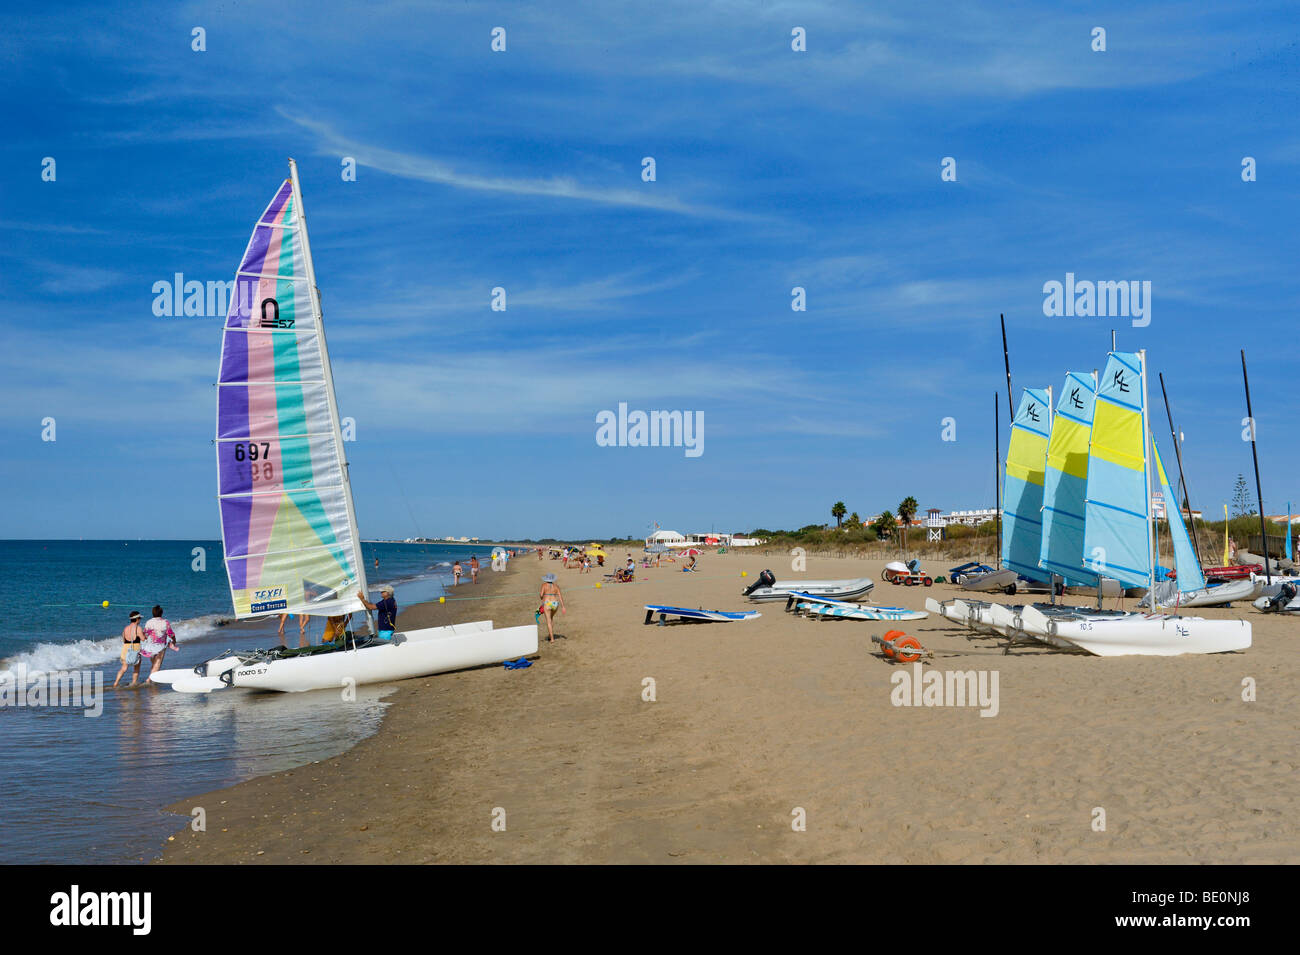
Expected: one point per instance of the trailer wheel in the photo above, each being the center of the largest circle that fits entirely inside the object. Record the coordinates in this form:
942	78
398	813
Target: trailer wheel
1011	589
927	581
888	640
902	645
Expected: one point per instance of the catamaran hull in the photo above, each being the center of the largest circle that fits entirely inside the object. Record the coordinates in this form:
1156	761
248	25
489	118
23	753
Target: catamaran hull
214	667
974	614
411	653
422	653
1156	635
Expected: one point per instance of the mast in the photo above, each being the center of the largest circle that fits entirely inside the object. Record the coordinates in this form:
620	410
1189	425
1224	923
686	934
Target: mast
1259	494
997	478
1148	457
1096	386
329	383
1006	361
1182	481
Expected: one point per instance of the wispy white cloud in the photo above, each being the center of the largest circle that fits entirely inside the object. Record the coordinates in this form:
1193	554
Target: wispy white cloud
67	279
430	169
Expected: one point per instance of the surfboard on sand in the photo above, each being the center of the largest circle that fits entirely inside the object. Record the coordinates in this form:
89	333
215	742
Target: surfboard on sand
688	613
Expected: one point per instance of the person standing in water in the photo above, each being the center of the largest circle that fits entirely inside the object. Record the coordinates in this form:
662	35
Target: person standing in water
158	638
302	629
473	569
385	611
552	599
132	637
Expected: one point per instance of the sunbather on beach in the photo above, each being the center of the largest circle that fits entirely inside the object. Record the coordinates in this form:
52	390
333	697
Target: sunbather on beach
552	599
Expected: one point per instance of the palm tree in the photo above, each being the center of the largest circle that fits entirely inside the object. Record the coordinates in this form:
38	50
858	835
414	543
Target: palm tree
906	511
855	520
838	512
884	526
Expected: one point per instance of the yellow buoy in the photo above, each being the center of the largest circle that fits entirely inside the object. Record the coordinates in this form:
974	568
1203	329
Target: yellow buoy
442	600
104	604
744	573
598	586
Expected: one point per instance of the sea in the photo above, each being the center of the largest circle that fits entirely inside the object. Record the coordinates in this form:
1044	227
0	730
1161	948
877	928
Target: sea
87	783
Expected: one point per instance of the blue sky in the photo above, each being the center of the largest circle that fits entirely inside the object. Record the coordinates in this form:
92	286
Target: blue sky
522	170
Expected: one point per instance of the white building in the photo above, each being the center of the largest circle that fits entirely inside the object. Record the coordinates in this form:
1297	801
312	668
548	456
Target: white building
969	518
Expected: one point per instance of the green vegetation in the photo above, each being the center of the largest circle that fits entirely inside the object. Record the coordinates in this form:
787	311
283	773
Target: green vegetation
838	510
906	511
1241	506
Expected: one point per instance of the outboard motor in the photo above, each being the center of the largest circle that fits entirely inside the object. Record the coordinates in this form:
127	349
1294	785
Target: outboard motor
765	579
1282	600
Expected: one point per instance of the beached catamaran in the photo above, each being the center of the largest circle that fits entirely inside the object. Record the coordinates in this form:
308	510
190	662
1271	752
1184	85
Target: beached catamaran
1119	535
1098	526
1022	496
288	522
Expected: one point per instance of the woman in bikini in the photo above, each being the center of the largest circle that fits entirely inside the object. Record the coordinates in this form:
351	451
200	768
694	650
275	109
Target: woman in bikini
552	600
131	637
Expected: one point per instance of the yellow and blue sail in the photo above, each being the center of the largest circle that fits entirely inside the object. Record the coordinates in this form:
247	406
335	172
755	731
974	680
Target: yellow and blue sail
1117	507
1022	499
1190	575
1066	481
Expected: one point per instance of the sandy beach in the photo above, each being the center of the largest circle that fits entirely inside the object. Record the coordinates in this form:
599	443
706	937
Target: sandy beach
756	725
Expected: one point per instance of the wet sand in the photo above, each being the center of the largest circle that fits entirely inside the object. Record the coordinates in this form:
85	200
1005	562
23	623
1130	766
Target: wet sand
757	724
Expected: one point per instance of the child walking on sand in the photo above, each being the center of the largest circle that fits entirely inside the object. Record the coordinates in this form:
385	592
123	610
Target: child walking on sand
456	571
552	600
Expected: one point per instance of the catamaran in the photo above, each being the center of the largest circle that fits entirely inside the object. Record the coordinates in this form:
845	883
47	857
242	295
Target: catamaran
1119	535
288	521
1098	524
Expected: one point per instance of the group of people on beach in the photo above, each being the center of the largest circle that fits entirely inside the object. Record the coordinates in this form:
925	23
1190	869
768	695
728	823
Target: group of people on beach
336	626
148	641
457	571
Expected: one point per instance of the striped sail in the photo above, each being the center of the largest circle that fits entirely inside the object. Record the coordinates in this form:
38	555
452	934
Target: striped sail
1066	480
1117	509
285	504
1022	498
1190	575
